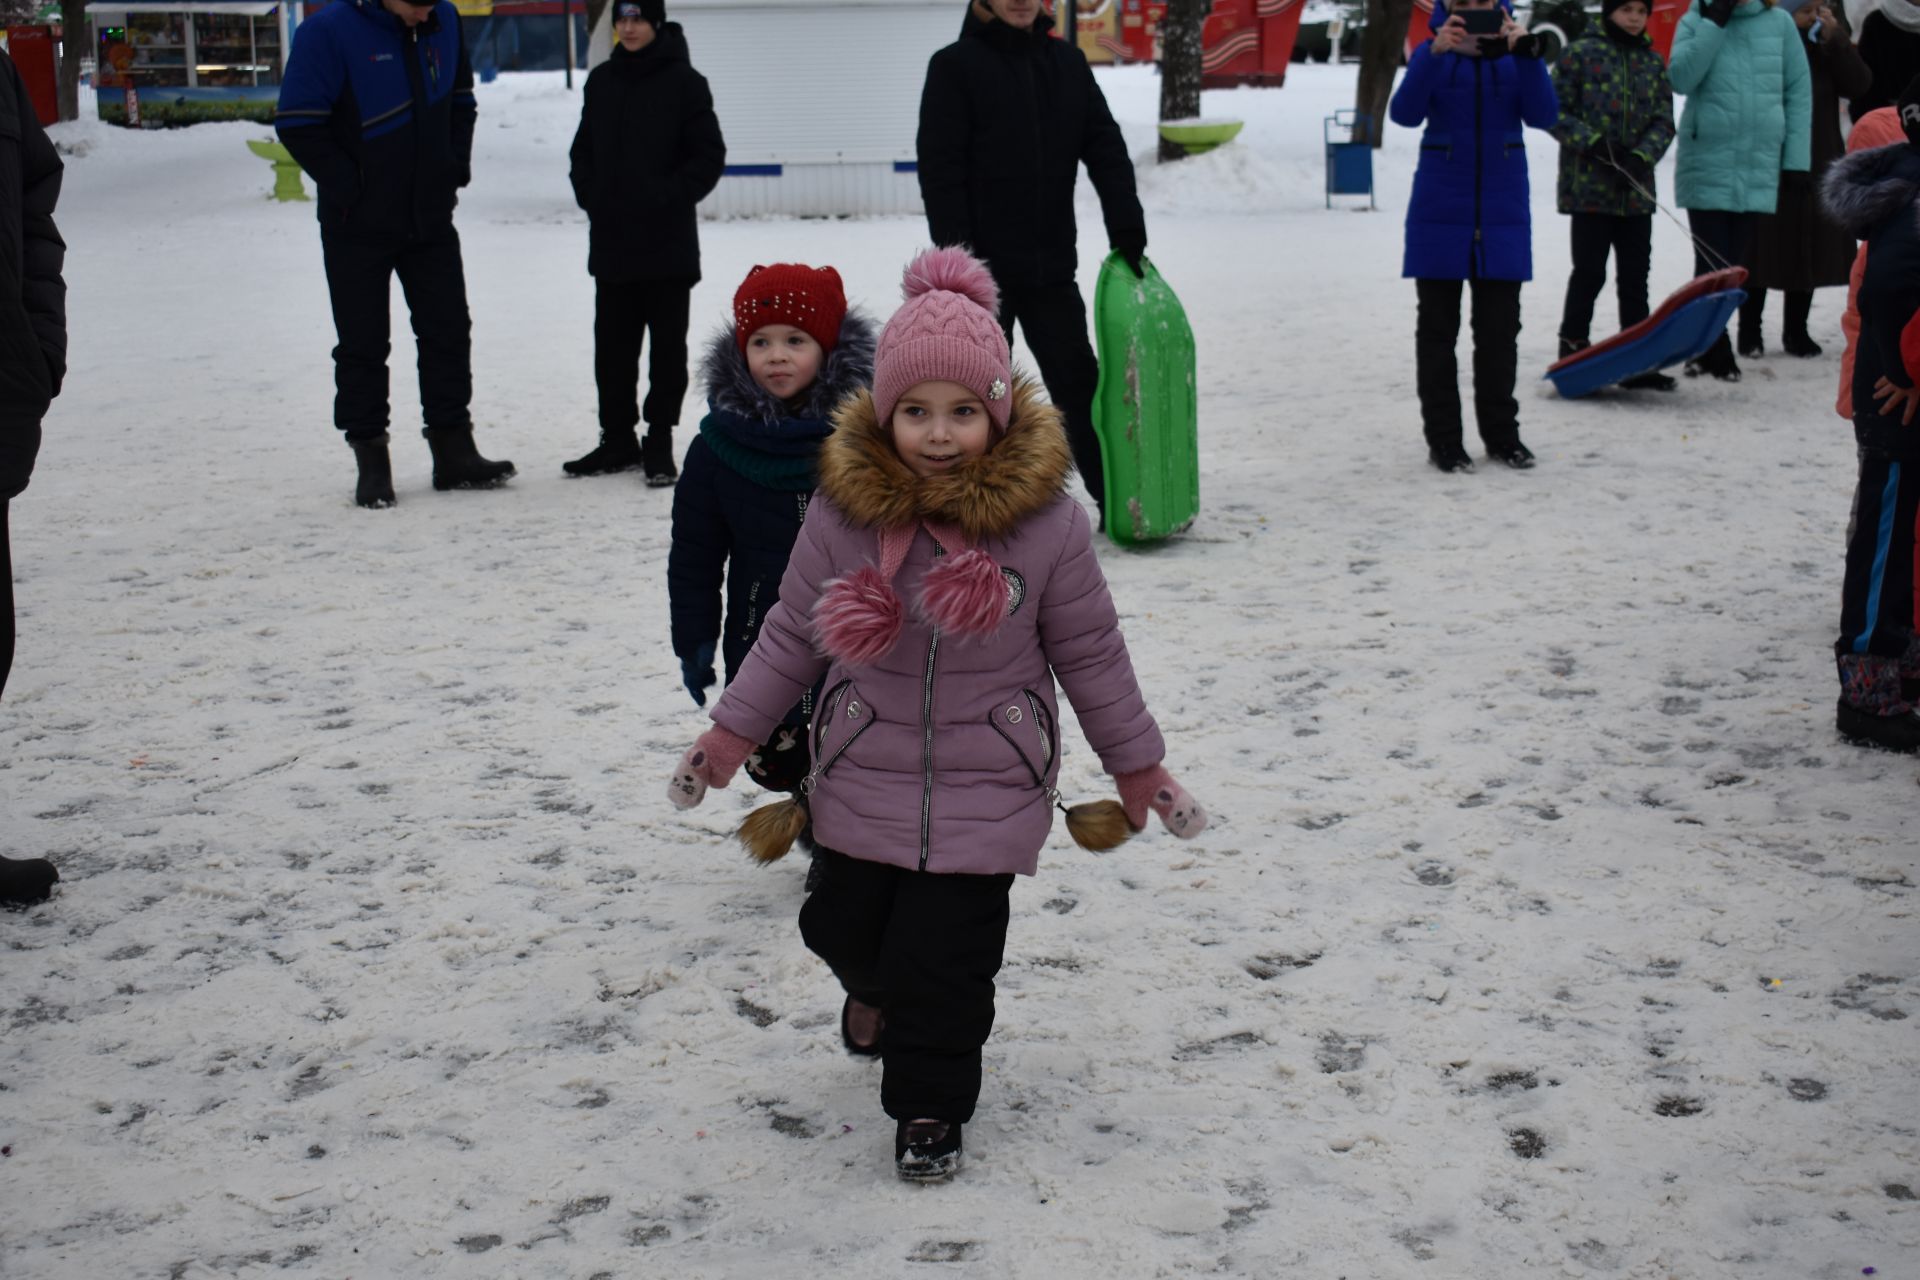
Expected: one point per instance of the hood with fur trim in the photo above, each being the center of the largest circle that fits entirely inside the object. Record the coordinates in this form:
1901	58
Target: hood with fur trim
848	368
985	497
1865	188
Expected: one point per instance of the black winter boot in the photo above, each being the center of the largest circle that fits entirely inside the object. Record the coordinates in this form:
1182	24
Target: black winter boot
375	489
617	451
1897	732
1569	346
1450	458
457	464
926	1150
656	456
1794	338
26	880
1653	381
1716	362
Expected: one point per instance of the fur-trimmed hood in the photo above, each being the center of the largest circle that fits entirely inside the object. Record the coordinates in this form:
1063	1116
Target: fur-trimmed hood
1864	189
848	368
988	496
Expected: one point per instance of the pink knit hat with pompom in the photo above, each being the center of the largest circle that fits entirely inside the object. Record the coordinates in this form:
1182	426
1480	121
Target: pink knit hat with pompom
947	331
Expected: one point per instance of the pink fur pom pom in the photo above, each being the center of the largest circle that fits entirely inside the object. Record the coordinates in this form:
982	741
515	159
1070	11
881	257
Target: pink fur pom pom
966	595
858	618
955	271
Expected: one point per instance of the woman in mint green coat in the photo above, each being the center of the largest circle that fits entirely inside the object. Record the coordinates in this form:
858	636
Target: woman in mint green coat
1747	127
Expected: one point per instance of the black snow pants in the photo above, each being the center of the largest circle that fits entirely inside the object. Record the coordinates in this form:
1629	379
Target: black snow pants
924	948
1630	239
1496	358
1053	319
360	272
626	313
1877	606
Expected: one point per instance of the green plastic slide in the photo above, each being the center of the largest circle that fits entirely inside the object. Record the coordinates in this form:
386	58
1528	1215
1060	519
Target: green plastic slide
1146	411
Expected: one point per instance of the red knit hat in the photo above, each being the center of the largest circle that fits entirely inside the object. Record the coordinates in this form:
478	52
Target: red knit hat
811	299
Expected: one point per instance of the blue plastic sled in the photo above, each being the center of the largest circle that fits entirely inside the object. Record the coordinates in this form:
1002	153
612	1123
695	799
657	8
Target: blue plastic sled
1685	325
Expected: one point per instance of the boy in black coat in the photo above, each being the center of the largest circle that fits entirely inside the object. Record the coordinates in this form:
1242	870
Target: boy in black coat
1875	195
1007	116
33	358
648	151
774	375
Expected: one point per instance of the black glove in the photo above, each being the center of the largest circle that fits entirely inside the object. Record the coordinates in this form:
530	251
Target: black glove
1527	46
1132	247
1637	167
1718	12
697	673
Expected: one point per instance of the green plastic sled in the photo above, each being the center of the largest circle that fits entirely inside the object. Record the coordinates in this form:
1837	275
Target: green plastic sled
1146	411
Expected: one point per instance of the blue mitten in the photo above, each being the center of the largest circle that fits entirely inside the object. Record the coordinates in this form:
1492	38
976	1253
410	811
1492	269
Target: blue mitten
697	673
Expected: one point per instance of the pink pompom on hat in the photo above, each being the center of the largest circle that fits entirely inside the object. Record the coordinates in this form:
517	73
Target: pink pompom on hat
948	330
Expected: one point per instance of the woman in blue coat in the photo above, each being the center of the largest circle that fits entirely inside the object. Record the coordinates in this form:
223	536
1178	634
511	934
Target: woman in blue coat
1469	222
1747	130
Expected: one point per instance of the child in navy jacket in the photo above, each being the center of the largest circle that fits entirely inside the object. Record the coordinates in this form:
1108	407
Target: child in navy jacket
792	352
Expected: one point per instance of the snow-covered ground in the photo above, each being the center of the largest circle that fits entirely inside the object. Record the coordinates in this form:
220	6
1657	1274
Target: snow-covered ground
1545	928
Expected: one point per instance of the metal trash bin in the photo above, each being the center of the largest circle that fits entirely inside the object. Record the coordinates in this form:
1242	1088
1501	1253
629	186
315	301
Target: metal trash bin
1349	155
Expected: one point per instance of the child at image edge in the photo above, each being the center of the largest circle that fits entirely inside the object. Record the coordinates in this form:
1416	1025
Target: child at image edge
1875	196
942	582
792	352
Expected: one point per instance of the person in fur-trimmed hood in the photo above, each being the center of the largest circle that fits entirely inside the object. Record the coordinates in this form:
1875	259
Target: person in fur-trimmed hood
942	582
774	373
1875	195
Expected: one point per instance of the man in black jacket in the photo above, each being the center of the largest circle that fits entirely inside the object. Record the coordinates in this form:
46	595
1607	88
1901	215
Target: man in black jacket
377	106
1007	117
647	152
33	359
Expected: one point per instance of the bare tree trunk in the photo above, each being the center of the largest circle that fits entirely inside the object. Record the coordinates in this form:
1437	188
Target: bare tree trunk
1380	45
1180	67
73	47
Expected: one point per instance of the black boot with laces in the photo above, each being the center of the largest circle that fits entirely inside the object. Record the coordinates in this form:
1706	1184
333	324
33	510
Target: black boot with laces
617	451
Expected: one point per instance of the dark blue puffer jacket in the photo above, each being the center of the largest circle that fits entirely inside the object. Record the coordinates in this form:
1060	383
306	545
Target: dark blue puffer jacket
743	493
1875	196
381	116
1468	217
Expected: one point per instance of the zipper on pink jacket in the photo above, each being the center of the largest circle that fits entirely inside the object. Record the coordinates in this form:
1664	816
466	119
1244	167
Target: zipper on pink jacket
926	753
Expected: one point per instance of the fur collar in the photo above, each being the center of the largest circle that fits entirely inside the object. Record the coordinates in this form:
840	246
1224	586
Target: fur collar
1865	188
987	497
731	388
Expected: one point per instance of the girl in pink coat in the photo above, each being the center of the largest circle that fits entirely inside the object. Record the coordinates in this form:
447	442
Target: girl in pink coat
942	582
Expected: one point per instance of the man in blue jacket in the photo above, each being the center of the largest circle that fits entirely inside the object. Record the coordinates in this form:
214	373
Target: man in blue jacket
377	106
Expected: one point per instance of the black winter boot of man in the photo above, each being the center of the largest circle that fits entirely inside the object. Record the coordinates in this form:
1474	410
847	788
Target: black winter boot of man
656	456
26	880
457	464
1568	346
1450	458
926	1150
375	489
1652	381
617	451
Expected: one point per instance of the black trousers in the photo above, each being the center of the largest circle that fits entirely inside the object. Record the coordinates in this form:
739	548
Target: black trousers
1053	318
1630	239
1799	307
1730	237
1877	607
924	948
6	593
625	313
359	279
1496	358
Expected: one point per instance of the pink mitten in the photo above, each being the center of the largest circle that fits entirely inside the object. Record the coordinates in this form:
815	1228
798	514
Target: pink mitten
1155	789
712	760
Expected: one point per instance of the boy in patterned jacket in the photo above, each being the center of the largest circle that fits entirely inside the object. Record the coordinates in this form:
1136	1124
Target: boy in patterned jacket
1616	121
